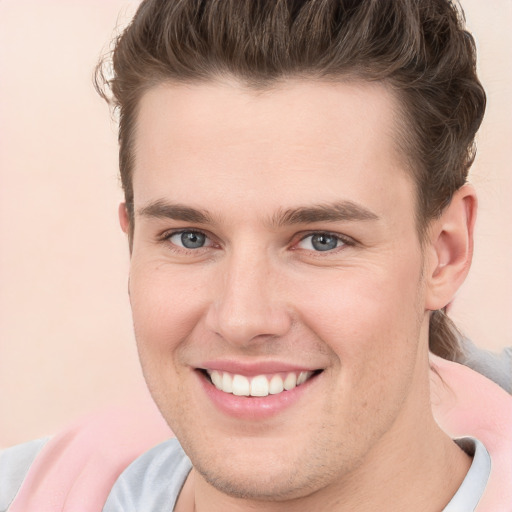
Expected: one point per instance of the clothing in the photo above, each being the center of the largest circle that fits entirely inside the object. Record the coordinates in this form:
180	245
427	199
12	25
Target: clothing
75	470
79	469
14	465
497	367
465	403
154	480
473	486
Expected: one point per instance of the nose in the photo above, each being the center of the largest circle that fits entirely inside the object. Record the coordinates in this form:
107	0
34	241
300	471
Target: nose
248	304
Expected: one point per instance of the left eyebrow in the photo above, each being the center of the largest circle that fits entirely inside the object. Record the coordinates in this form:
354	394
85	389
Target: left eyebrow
334	212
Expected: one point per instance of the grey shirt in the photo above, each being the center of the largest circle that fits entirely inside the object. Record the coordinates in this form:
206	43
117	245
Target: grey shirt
496	367
14	465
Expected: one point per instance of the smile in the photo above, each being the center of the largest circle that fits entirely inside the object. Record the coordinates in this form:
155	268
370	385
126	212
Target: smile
259	385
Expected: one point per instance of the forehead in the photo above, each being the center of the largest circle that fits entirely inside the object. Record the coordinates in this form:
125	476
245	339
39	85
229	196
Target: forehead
309	140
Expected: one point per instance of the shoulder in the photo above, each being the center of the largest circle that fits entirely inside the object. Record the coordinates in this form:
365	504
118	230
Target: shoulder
76	469
464	400
466	403
14	465
496	367
152	482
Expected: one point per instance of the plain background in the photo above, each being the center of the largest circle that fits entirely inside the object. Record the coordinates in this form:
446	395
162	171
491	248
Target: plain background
66	343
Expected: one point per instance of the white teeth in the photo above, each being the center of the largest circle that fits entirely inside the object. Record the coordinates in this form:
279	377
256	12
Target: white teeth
261	385
276	385
303	377
227	383
216	379
290	382
241	385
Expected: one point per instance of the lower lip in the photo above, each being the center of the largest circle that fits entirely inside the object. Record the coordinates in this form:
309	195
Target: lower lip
254	408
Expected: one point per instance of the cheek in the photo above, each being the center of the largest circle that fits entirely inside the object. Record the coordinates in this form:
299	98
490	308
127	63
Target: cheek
166	308
371	324
166	305
365	315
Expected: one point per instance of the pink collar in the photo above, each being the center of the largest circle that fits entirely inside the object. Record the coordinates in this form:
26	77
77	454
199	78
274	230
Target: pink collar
467	404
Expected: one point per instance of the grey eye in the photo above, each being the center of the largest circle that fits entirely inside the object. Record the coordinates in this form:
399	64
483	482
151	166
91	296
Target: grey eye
189	239
320	242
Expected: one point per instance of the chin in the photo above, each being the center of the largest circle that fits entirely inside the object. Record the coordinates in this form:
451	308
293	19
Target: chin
256	484
257	469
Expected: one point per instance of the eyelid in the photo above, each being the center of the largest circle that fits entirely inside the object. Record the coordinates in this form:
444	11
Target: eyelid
344	239
167	235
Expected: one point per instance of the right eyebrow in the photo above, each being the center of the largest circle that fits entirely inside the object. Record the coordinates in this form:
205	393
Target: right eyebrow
163	210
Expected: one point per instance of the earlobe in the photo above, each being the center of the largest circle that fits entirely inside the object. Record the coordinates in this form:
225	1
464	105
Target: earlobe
124	219
451	248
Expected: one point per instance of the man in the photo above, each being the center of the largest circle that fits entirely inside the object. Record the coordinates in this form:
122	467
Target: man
298	219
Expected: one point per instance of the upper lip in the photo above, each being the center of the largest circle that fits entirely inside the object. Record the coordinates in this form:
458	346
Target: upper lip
251	369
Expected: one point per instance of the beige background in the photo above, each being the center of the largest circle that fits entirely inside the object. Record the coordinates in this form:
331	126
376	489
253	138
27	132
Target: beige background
66	345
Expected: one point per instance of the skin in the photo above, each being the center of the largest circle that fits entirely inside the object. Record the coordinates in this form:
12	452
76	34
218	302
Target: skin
362	436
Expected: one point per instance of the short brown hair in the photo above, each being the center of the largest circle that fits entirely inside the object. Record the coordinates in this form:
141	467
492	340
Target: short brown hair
419	48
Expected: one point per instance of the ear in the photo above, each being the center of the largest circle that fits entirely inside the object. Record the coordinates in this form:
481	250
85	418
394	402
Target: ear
124	218
450	248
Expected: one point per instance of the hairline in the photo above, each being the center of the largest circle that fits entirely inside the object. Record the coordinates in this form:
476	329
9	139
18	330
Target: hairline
402	126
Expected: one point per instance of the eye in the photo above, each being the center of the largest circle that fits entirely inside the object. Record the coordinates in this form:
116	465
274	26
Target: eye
321	242
190	239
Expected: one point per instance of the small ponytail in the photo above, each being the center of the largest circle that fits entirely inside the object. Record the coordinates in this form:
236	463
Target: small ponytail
444	338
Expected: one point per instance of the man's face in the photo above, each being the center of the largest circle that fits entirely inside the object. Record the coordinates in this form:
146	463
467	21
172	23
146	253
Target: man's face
274	235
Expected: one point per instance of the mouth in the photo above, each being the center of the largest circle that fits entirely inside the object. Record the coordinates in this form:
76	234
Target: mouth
259	385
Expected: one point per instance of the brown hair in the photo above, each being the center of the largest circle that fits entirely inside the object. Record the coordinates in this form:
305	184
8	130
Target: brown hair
417	47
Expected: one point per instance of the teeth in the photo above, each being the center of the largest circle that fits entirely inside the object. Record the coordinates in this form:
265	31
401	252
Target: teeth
303	377
276	385
227	383
241	385
261	385
216	379
290	382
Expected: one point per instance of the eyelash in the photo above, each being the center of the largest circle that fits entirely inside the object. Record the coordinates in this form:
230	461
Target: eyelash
166	237
344	240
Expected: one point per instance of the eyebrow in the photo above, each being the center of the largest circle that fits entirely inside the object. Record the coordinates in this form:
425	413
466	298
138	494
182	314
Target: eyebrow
164	210
342	211
333	212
